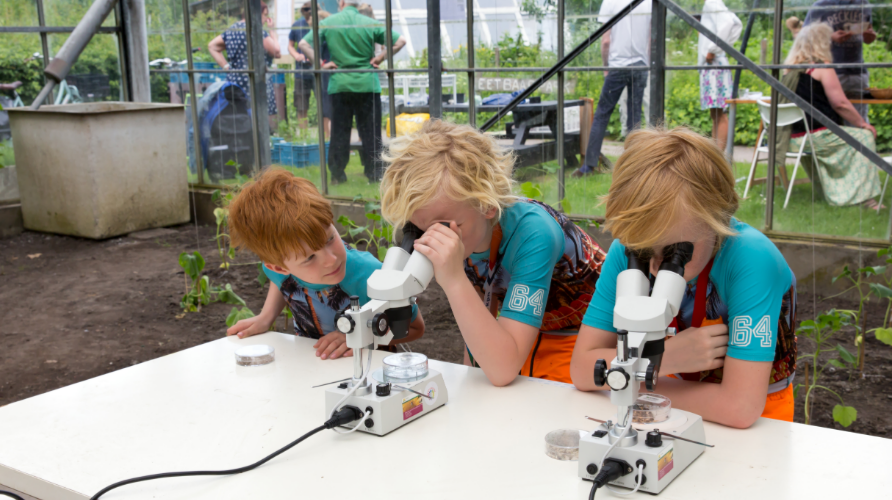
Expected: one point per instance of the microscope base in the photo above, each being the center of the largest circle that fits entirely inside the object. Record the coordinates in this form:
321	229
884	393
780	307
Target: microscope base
397	409
663	463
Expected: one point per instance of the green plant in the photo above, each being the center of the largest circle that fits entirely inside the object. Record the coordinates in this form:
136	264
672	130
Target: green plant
884	333
221	215
261	276
237	314
198	291
859	281
821	331
375	235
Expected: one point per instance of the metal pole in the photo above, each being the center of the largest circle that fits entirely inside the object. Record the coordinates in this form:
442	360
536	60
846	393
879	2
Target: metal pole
136	36
434	60
559	133
391	94
772	127
58	68
193	106
560	65
732	115
657	64
320	120
124	55
257	63
472	91
44	45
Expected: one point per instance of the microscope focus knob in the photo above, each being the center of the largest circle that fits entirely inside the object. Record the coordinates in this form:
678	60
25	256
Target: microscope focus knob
600	372
344	323
617	379
650	380
380	325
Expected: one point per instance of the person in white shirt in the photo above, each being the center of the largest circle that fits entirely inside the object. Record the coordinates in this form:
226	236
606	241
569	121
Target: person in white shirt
626	44
716	84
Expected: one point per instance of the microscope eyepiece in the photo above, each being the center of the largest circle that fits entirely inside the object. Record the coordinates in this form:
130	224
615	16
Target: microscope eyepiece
676	256
639	259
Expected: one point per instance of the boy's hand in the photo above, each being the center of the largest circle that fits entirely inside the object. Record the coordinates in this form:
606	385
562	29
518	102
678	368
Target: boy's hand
248	327
333	346
443	246
696	349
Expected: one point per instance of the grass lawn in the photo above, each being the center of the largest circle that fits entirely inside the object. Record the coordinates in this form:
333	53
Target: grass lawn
807	213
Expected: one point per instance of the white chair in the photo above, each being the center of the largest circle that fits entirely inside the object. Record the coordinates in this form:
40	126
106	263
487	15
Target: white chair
787	114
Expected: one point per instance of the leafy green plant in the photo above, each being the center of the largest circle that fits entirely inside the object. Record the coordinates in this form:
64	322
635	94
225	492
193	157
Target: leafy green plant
261	276
375	235
221	214
821	332
237	314
198	291
858	278
883	333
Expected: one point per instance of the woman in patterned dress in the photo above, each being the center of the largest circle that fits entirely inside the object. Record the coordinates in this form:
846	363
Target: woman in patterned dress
715	84
234	41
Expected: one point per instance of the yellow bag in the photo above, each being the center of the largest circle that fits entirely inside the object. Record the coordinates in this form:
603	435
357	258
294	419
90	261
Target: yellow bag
408	123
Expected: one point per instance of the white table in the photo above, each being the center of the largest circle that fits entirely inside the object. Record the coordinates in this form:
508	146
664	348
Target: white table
197	410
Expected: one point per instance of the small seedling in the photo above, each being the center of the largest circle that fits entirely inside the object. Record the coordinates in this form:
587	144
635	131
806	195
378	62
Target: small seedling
238	314
822	331
221	215
197	286
374	235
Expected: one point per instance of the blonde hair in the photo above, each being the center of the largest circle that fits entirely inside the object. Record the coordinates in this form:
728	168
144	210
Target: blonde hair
456	160
662	174
811	45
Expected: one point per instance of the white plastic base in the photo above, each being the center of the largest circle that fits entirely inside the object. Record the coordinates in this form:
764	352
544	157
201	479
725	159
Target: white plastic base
663	463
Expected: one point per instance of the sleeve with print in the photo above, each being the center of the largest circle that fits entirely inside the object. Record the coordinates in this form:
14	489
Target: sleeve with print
530	256
600	309
752	282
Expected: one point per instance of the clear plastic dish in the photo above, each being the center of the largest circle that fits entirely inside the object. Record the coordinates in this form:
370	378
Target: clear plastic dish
255	355
651	408
563	444
405	366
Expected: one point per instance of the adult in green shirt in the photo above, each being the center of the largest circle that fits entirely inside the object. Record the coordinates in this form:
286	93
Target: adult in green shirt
351	39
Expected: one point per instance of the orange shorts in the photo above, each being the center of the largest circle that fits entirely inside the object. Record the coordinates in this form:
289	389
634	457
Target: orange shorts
551	358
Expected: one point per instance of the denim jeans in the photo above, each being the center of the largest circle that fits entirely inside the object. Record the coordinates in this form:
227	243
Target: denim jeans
616	81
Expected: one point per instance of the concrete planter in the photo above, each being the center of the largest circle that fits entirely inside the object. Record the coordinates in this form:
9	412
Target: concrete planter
9	185
103	169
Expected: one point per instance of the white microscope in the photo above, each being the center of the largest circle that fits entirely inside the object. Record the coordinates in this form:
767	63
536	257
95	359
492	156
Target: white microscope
404	389
673	438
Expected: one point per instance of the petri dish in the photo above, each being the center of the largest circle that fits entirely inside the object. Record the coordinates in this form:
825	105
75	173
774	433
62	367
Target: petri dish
563	444
651	409
255	355
405	366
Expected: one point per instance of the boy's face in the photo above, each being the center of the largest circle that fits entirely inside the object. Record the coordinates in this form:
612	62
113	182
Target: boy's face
476	228
686	229
326	266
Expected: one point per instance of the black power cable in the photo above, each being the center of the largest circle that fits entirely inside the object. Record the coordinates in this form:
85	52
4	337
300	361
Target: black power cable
343	416
11	494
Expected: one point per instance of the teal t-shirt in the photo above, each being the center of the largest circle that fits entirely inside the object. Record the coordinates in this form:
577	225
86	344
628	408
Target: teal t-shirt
749	276
314	306
532	244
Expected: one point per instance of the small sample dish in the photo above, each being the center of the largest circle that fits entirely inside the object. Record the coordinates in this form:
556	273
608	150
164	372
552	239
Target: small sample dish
255	355
406	366
651	409
563	444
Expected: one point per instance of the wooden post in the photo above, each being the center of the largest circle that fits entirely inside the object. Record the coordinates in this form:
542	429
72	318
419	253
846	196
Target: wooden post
763	54
586	115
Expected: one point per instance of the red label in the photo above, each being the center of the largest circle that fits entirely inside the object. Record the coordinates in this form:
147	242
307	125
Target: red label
411	407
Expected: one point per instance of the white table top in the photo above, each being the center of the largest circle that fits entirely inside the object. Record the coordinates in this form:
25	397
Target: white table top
197	410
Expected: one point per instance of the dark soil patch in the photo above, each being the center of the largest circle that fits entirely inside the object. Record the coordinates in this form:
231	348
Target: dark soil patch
84	308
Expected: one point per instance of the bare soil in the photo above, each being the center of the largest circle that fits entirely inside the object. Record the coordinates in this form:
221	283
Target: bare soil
72	309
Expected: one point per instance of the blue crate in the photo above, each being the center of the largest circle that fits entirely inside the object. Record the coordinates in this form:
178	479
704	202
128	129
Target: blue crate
274	154
307	155
286	154
202	77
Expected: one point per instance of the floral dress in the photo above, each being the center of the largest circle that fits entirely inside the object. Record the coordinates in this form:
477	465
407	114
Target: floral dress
236	42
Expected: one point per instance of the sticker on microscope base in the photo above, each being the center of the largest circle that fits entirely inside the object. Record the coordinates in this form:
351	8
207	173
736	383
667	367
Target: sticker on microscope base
665	463
412	406
431	390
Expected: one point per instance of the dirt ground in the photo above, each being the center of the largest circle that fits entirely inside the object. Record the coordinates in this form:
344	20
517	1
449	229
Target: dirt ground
72	309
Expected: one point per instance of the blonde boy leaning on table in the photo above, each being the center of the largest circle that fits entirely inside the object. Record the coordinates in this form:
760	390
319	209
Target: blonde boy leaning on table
674	186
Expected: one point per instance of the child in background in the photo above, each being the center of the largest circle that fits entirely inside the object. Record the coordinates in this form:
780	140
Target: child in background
674	186
289	225
518	274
